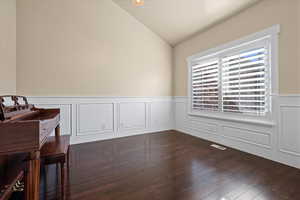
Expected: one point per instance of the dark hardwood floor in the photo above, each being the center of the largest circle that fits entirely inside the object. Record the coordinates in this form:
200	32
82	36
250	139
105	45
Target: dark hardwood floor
170	166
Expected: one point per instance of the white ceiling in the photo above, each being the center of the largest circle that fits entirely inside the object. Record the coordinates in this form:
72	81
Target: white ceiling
176	20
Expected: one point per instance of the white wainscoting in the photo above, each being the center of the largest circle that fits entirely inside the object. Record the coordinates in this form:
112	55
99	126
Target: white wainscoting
89	119
279	142
289	130
97	118
132	116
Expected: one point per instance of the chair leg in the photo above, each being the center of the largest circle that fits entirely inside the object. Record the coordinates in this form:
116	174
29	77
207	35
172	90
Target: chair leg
67	174
68	158
62	172
44	174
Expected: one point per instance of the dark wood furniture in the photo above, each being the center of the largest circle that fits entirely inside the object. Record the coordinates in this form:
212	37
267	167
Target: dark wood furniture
56	151
24	129
12	170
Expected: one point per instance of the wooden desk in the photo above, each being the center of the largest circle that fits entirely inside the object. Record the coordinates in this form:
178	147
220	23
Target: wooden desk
25	129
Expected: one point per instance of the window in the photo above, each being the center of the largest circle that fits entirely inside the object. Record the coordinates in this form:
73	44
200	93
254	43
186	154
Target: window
245	82
205	85
234	79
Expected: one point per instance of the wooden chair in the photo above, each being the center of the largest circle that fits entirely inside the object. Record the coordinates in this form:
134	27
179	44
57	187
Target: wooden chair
56	151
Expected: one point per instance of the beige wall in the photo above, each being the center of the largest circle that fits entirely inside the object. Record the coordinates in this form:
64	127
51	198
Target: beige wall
88	48
7	47
256	18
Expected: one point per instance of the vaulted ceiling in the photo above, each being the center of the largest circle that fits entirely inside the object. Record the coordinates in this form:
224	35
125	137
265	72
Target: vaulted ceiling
176	20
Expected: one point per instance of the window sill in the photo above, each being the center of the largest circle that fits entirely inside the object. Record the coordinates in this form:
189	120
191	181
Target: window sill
262	122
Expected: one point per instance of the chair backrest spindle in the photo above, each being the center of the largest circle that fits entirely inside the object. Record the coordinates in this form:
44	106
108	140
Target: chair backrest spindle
8	111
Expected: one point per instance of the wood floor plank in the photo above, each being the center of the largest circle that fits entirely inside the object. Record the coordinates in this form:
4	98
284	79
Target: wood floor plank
169	165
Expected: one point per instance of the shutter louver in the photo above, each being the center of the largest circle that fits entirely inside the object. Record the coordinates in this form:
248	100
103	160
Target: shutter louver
244	82
205	86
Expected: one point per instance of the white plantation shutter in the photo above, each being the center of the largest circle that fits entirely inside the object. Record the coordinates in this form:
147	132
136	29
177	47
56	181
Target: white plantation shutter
244	82
236	79
205	85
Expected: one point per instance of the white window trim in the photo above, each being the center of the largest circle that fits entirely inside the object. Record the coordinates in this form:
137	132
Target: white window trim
269	120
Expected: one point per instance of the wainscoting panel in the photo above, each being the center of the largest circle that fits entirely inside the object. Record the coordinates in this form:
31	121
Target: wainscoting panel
95	118
290	130
132	116
98	118
208	127
279	142
161	114
180	114
260	139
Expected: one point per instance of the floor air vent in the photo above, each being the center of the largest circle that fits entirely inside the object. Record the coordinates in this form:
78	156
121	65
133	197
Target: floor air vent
218	147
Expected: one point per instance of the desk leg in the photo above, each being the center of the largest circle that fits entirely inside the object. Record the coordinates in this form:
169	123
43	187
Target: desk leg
33	177
57	131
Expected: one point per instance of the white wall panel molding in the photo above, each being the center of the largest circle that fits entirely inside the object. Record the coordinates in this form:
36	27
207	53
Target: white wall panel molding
250	136
161	114
208	127
132	116
89	119
97	118
289	129
279	142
